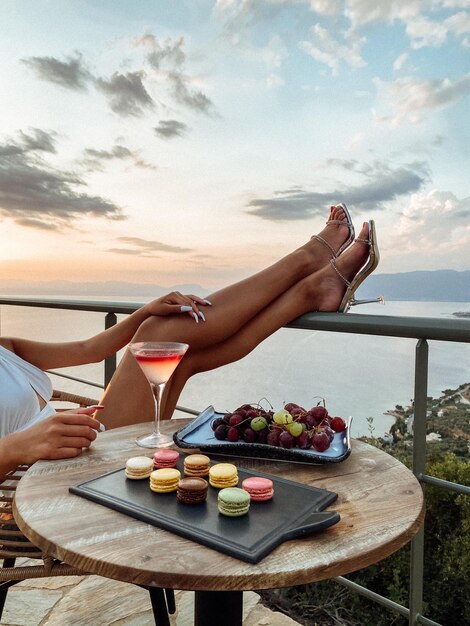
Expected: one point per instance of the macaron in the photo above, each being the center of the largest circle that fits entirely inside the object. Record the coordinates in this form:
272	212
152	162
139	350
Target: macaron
192	490
138	467
260	489
165	458
196	465
164	480
222	475
233	502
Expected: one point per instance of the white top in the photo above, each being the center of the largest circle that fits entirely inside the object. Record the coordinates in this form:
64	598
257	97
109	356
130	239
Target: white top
19	383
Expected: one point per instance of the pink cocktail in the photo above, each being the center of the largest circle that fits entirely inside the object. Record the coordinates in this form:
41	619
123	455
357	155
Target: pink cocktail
157	360
159	368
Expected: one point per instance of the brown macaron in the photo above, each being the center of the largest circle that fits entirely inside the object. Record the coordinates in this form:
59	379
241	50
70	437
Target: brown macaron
192	490
196	465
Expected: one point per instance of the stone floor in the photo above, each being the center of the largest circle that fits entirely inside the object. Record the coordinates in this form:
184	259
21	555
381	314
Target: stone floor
96	601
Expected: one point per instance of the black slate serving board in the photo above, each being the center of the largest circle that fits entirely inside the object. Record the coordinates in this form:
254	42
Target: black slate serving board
296	510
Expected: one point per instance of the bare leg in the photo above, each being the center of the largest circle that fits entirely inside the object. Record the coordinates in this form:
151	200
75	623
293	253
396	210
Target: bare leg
323	291
128	399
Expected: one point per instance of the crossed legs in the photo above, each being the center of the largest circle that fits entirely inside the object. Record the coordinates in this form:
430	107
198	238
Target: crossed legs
242	316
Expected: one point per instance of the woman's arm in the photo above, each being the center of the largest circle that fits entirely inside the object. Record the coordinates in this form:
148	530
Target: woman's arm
51	355
60	436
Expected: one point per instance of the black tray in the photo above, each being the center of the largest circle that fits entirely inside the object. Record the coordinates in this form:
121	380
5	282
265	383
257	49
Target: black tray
198	434
296	510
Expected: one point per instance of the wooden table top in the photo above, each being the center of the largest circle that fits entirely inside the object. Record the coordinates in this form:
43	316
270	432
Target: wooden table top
380	502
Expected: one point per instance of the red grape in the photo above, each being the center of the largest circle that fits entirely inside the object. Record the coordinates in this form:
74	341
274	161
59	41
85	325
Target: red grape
338	424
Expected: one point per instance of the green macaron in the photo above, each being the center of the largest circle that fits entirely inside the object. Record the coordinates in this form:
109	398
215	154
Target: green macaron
233	501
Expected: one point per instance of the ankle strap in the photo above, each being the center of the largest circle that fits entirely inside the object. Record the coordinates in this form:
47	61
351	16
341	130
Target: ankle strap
325	243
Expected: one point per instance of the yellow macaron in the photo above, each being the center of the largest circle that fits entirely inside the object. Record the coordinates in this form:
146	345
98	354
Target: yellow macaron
222	475
164	480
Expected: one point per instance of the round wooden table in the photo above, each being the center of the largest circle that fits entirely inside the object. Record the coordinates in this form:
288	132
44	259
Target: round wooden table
379	500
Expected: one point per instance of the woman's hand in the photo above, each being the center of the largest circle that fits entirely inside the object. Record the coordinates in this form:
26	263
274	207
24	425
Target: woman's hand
60	436
176	302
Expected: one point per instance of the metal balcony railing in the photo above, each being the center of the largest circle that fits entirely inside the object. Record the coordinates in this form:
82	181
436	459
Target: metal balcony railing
422	329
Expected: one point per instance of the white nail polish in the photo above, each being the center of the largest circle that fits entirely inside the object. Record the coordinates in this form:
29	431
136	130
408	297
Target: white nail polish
196	318
208	302
185	308
201	315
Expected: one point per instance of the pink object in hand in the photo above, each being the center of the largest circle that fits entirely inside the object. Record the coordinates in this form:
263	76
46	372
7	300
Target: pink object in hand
165	458
260	489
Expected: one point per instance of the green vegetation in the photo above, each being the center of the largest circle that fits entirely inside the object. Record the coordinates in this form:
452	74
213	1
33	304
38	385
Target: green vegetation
447	534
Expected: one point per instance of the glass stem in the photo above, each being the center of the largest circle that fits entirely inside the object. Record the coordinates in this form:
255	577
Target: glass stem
157	396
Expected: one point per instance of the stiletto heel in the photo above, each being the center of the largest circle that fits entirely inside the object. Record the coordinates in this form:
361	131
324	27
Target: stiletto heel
348	223
348	299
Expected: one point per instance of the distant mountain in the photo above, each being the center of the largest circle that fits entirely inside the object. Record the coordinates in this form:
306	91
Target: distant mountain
430	286
425	286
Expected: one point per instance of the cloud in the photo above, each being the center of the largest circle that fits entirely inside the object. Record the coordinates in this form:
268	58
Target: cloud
168	58
324	48
169	53
362	12
382	184
399	61
192	98
71	74
411	98
126	93
94	157
146	247
426	32
435	223
37	195
167	129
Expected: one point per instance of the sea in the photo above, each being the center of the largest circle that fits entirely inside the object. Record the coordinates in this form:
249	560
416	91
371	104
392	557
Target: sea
354	375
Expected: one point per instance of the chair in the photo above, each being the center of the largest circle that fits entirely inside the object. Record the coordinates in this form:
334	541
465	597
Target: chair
14	545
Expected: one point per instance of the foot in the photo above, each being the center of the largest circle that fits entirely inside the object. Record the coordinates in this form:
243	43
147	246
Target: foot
334	235
331	287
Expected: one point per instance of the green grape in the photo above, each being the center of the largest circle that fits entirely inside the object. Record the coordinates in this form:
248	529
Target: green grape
295	428
282	417
258	423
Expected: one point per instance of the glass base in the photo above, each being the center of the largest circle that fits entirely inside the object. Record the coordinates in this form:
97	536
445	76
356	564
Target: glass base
154	440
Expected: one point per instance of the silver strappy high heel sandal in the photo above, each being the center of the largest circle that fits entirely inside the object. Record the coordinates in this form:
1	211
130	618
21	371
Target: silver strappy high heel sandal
348	299
349	240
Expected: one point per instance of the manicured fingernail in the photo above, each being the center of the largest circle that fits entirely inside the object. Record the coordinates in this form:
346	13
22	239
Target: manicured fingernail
96	406
185	308
102	427
208	302
201	315
196	318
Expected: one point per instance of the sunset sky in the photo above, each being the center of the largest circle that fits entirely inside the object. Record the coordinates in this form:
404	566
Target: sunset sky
192	141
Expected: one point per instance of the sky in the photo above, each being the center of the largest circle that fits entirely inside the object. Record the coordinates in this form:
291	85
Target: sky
195	141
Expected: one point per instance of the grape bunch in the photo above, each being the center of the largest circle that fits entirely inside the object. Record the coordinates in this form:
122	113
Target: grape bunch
291	427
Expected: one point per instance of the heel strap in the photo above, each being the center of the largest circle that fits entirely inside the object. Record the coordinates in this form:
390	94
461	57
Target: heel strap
326	244
343	278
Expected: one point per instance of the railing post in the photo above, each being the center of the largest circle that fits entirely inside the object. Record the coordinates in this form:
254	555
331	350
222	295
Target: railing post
110	361
419	464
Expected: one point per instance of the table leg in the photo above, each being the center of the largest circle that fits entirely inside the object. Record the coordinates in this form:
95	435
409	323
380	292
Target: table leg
213	608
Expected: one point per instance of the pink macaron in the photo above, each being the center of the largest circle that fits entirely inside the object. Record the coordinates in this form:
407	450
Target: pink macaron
165	458
260	489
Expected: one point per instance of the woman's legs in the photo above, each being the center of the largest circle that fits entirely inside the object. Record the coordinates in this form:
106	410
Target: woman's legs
129	398
322	291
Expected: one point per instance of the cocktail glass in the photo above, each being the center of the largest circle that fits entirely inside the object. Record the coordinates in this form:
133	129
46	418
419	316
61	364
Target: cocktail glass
158	361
